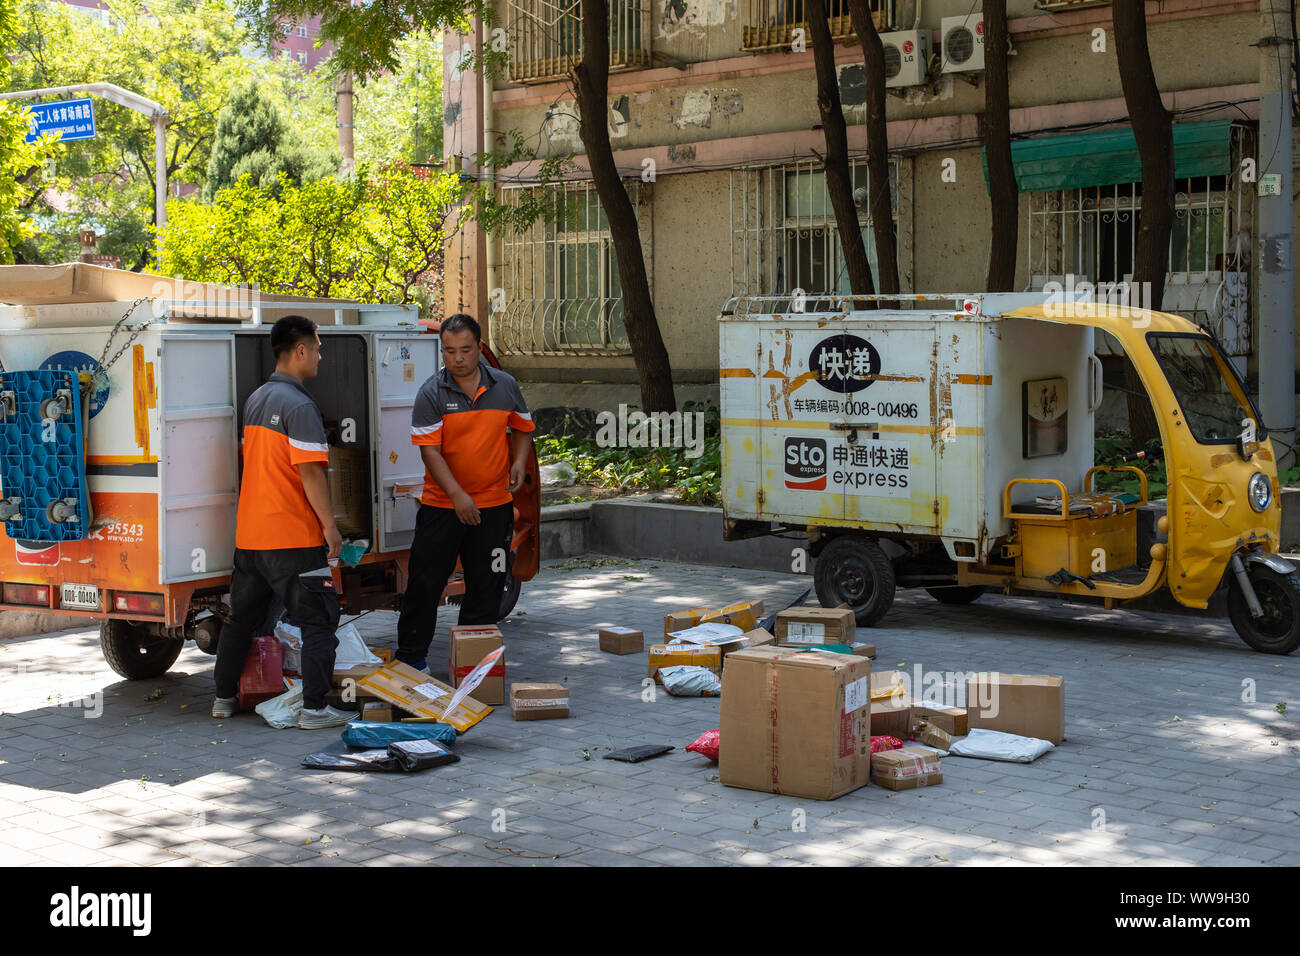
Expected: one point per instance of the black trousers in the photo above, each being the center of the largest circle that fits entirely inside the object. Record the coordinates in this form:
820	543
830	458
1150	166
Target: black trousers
440	538
300	577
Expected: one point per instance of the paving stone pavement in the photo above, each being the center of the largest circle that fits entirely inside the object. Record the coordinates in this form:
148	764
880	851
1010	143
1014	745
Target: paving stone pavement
1178	752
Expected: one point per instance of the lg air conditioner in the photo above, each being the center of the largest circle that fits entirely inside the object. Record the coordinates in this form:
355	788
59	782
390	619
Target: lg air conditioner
961	43
907	57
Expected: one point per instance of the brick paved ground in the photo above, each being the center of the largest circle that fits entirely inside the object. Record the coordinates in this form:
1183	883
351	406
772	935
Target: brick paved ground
1161	748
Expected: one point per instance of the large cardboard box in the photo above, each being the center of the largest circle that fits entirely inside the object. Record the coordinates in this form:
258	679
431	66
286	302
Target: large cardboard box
906	769
417	693
891	717
796	722
538	701
621	640
1032	705
815	625
690	655
467	645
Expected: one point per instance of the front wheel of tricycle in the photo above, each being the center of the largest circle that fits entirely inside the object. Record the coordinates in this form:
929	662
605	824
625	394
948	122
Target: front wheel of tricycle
853	570
1278	631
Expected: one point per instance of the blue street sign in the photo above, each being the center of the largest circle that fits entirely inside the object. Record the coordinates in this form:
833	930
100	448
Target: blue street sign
74	119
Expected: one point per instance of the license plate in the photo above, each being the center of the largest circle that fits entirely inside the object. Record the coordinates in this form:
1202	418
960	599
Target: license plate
83	596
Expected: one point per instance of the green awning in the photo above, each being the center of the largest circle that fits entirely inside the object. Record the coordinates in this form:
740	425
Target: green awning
1107	157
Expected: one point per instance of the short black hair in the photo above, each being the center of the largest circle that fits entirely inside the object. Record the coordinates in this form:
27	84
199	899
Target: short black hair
289	331
460	322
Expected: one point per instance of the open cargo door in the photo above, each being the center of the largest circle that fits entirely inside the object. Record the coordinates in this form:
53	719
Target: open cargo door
199	456
401	364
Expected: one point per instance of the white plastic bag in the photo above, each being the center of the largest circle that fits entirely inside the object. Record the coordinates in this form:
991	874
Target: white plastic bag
282	712
995	745
686	681
290	637
352	650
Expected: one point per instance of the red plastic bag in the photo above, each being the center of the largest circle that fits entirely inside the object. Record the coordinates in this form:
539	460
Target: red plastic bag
707	745
263	676
882	743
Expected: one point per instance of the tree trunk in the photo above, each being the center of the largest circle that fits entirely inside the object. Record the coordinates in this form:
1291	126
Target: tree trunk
1153	130
879	202
839	177
591	83
1004	197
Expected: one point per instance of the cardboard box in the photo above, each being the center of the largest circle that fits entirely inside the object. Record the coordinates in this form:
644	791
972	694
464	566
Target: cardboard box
906	769
888	685
539	701
932	736
1032	705
951	720
892	717
691	655
815	625
421	695
467	645
377	712
680	620
742	615
759	637
864	650
796	722
621	640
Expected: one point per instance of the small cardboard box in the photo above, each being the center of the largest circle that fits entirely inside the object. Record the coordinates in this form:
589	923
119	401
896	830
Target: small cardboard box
385	654
691	655
417	693
804	626
621	640
381	713
796	722
680	620
759	637
951	720
892	717
888	685
742	615
1032	705
539	701
932	736
906	769
467	645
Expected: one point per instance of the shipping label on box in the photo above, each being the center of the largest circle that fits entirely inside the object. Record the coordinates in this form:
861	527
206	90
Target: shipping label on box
417	693
467	645
815	625
906	769
796	722
689	655
1031	705
539	701
621	640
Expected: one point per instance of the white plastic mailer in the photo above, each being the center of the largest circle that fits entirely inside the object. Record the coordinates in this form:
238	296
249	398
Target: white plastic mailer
995	745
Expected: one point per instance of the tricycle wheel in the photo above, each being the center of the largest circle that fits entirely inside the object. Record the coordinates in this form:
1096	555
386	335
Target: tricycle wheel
955	595
853	570
134	652
1278	631
509	596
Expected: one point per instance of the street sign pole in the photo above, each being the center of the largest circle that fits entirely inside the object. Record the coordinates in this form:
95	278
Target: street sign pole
132	101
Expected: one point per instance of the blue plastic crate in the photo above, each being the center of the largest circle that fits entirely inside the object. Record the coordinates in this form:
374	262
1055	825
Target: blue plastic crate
42	461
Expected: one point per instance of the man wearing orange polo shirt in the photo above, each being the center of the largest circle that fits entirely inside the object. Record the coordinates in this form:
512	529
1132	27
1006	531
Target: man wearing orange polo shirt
472	470
284	529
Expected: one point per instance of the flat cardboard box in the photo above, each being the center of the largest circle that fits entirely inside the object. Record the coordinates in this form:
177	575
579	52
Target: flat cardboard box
952	720
1032	705
691	655
906	769
891	717
742	615
806	626
467	645
377	712
423	696
864	650
538	701
621	640
796	722
680	620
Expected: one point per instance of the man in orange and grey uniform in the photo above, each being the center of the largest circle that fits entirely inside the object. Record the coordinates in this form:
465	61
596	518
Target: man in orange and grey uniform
284	529
472	470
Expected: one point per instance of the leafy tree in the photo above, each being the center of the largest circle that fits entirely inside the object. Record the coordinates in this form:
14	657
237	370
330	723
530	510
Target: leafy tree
20	163
252	139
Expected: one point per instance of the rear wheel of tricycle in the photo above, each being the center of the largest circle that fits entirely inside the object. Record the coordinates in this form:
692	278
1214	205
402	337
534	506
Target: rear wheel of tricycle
955	595
509	596
134	651
1278	631
853	570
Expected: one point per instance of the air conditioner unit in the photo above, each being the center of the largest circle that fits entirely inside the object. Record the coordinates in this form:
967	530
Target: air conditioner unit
907	57
961	43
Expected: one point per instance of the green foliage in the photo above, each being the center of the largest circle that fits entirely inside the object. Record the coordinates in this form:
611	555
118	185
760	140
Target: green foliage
252	139
376	236
1291	476
1108	447
20	163
696	480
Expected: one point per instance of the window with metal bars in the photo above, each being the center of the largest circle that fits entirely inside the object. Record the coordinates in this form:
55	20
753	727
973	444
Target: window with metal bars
783	231
561	282
770	24
547	36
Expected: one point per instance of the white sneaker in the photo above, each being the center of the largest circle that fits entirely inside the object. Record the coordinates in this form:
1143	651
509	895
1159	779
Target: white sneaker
223	707
325	717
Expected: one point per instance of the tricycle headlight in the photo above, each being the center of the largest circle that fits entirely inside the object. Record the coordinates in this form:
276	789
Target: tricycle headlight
1260	491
